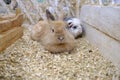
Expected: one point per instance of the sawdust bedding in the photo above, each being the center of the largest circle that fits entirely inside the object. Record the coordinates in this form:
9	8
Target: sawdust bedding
27	60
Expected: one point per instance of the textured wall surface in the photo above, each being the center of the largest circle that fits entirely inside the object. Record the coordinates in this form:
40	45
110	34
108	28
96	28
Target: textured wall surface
102	29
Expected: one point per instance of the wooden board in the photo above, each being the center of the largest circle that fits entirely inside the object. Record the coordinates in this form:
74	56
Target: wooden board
9	37
17	21
108	47
8	24
10	16
104	18
7	17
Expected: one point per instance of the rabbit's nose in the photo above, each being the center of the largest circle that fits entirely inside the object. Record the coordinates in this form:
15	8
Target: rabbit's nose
61	38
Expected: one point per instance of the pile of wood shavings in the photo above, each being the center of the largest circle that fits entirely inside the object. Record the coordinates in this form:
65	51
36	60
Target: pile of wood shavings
27	60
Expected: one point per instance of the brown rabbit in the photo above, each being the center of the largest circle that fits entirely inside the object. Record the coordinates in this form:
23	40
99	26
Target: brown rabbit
53	35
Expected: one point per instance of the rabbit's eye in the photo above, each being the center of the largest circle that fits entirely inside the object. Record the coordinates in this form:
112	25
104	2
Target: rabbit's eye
74	27
52	30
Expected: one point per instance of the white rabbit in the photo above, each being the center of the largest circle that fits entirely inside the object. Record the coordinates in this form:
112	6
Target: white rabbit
74	26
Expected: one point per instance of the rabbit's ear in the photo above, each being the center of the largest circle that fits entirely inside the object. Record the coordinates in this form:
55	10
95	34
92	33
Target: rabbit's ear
49	15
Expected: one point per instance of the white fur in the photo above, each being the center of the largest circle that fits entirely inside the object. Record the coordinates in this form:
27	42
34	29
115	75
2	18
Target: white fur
75	22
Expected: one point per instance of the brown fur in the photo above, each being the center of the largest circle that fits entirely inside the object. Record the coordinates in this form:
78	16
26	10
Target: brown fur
53	35
43	32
